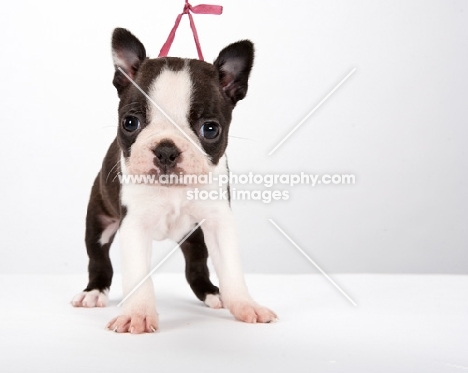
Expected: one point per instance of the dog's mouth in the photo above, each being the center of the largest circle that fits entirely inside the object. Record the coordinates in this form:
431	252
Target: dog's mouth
169	177
165	171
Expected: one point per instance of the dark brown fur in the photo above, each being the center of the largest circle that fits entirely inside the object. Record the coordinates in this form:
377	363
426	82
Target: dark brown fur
216	90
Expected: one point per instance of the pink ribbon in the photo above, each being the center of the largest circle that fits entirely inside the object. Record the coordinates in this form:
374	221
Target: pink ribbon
188	9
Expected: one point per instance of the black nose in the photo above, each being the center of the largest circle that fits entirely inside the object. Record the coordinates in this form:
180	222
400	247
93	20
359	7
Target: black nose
166	154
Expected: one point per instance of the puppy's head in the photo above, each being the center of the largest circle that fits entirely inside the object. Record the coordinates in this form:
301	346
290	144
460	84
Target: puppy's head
175	118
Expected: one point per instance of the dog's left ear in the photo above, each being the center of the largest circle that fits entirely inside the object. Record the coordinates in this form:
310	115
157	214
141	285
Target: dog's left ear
234	64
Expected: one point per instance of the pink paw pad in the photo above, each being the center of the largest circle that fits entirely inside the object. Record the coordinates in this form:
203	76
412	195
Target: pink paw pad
134	324
252	313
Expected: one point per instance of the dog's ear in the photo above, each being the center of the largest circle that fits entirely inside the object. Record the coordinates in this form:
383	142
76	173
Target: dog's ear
128	53
234	64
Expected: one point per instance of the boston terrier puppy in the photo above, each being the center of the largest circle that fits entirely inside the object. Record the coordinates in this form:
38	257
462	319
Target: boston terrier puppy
174	117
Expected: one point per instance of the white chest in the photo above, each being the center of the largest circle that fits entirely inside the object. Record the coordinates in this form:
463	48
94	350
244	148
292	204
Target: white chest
164	212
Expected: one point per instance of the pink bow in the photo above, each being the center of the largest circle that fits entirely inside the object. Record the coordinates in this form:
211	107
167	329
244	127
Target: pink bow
188	9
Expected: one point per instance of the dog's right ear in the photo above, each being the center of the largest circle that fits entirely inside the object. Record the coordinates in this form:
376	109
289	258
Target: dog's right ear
128	53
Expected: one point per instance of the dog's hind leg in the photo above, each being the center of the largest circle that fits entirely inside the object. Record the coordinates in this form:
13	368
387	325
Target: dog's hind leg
100	232
196	270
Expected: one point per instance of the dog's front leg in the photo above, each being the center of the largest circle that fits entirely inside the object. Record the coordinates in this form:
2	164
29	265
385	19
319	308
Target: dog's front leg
221	240
139	310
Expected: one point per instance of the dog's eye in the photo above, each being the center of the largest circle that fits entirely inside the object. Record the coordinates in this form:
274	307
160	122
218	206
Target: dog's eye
131	124
210	130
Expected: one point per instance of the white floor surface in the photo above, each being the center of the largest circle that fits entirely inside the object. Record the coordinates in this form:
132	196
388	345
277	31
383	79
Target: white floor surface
402	323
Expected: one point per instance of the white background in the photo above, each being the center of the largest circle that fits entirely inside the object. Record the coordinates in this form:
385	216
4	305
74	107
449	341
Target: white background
399	124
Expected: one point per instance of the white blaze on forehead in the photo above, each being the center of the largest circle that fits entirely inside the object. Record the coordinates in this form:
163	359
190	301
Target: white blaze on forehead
172	91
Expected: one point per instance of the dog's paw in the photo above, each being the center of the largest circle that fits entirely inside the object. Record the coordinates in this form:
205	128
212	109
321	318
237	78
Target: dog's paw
134	323
252	312
93	298
213	301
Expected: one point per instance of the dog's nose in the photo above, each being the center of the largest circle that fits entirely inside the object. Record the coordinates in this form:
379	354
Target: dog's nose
166	154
